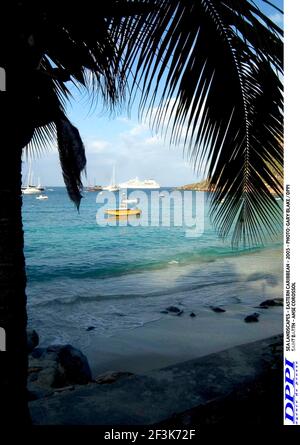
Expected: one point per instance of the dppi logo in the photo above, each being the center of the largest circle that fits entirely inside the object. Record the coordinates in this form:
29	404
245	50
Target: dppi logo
290	393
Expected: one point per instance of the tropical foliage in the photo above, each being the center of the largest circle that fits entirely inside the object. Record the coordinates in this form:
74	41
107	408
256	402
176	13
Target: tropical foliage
214	65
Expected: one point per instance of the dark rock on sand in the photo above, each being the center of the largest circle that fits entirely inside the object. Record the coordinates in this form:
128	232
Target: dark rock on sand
217	309
273	302
111	377
32	340
58	366
252	318
90	328
73	364
173	309
192	314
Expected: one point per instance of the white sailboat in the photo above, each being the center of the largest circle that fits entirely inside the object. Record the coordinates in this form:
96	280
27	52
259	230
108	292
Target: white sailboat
112	187
39	186
30	189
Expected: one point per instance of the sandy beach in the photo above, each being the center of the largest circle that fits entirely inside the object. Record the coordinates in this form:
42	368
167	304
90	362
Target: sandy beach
175	339
218	363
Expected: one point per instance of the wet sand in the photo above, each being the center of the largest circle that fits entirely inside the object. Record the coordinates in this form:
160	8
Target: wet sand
175	339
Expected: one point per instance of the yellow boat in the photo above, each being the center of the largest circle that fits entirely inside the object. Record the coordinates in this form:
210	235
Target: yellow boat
122	212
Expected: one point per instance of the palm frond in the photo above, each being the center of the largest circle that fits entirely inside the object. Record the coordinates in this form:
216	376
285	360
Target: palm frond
44	139
72	157
216	64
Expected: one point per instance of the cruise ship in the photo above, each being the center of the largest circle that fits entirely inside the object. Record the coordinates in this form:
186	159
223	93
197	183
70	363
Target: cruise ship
136	183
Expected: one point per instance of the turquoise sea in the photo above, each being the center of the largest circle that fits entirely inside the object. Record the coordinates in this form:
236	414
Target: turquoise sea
116	277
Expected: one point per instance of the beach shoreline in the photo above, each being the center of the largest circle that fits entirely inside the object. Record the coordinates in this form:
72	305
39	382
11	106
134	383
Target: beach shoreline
176	339
179	370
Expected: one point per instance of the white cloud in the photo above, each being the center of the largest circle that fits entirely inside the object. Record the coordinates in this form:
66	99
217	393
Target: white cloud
153	140
131	146
138	129
97	146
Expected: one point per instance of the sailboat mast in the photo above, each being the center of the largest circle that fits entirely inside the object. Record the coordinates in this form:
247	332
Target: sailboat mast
32	178
29	175
113	180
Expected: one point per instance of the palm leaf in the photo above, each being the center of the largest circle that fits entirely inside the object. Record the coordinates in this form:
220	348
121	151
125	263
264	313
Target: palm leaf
213	65
72	157
44	138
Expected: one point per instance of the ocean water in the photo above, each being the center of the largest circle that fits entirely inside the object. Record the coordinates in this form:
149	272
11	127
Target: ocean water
115	277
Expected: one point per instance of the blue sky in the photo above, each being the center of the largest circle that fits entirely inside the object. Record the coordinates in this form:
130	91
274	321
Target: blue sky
122	141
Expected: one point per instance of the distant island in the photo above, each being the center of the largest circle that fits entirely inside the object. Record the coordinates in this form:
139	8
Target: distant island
202	186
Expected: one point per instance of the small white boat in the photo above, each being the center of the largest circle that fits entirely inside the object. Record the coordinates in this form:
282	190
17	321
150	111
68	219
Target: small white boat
130	201
161	195
41	197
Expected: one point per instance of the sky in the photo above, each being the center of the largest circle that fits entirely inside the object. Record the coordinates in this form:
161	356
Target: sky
124	142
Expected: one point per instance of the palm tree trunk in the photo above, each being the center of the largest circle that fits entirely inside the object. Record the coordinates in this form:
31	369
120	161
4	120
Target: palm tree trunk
13	318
